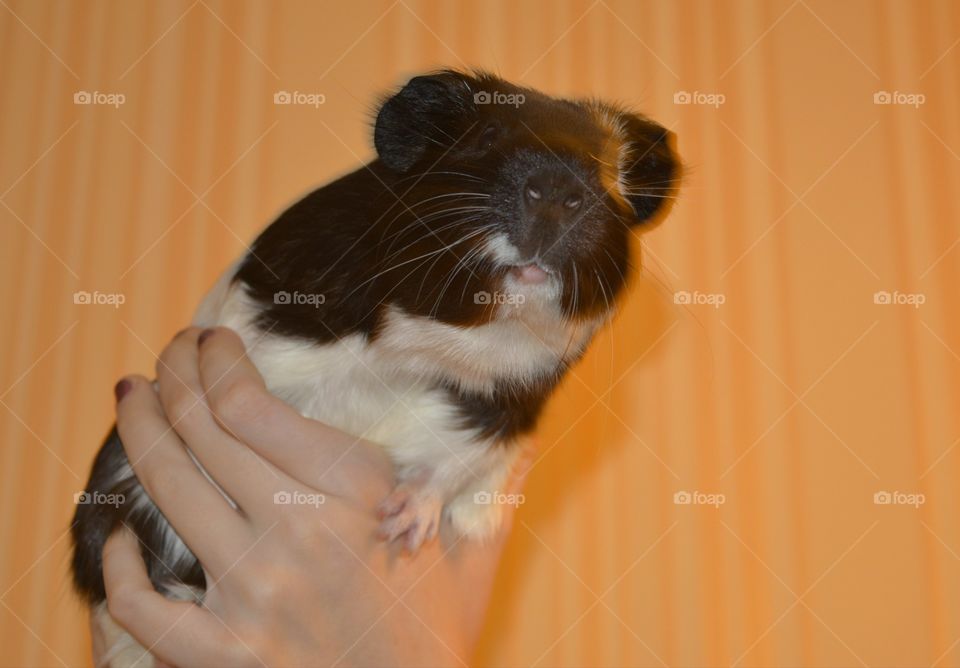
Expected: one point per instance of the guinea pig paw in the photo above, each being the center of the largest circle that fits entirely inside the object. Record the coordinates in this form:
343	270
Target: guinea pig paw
414	517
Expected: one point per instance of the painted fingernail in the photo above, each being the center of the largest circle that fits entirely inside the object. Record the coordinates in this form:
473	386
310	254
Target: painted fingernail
121	389
204	335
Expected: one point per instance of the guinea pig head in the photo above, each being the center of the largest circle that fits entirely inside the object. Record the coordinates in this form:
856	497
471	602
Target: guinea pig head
521	198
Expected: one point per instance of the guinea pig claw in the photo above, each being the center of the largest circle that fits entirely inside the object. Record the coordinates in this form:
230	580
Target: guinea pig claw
416	518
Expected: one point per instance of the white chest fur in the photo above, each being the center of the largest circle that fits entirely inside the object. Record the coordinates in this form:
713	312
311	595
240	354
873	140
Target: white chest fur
386	390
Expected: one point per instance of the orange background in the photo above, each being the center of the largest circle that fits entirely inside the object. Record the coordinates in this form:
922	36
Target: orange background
797	399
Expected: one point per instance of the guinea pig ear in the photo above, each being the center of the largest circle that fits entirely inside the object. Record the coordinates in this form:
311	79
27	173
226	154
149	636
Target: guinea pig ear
649	166
431	111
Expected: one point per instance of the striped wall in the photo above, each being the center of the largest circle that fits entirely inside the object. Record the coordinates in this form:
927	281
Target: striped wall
781	389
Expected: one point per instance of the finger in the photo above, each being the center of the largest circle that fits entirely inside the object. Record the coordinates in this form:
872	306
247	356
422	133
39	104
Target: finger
238	470
180	633
173	481
316	454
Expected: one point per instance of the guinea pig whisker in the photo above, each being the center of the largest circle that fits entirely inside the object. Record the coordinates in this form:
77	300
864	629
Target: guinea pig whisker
442	207
614	264
438	252
426	274
464	194
576	290
409	209
441	212
603	290
601	161
422	221
423	260
462	264
446	246
405	262
464	197
649	196
472	177
389	256
437	205
445	134
643	190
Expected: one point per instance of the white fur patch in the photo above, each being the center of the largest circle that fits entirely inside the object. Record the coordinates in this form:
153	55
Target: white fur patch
499	249
386	391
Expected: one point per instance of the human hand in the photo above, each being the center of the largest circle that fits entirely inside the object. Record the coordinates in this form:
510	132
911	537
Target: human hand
288	583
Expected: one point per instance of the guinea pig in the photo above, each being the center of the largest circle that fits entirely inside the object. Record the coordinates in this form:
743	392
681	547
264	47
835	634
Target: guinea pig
429	301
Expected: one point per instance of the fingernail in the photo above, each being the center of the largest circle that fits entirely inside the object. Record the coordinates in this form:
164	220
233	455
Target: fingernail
204	335
121	389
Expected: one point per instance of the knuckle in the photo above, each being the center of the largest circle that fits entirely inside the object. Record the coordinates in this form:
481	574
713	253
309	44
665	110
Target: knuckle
160	478
183	408
122	603
136	435
302	529
165	360
240	401
268	588
188	333
257	643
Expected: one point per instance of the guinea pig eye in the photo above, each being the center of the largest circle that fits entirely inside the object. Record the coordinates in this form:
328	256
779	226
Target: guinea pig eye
573	202
488	137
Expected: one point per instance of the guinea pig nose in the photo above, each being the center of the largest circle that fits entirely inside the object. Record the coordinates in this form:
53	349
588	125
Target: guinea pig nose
552	192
